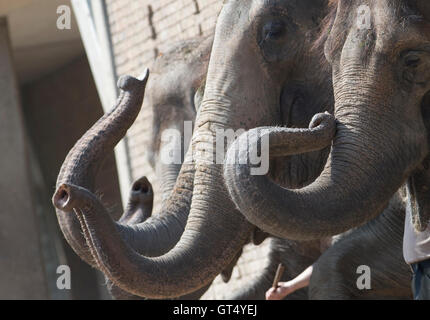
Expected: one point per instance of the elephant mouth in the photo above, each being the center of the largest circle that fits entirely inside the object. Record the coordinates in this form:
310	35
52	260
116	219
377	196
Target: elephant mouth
291	99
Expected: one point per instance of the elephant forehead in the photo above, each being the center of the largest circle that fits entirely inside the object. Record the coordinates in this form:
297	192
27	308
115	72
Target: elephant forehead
258	5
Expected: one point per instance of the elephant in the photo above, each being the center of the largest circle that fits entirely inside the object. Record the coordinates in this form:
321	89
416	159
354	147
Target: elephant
377	71
381	84
377	245
175	103
174	97
322	135
292	86
172	102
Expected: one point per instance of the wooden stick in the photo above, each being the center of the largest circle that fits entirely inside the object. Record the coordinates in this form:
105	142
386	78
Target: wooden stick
278	275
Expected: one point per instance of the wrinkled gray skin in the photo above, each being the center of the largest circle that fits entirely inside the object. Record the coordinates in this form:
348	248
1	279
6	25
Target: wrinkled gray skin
339	259
381	76
138	210
377	244
173	102
278	54
152	237
174	97
174	94
160	233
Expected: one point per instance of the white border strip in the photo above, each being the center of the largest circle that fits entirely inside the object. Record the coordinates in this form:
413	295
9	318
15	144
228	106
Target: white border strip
93	26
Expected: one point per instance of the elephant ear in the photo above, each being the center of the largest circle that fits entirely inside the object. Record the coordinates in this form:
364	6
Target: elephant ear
418	184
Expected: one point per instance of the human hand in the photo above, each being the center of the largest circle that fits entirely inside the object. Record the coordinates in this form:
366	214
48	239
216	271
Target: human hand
283	290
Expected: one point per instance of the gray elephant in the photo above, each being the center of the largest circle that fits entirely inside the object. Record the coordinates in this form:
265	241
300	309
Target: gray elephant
270	47
371	79
381	84
381	81
216	231
174	97
174	94
147	243
377	245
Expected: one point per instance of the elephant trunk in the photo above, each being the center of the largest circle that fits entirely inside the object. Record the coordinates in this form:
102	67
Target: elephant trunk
366	166
139	206
83	161
154	236
214	234
169	175
209	243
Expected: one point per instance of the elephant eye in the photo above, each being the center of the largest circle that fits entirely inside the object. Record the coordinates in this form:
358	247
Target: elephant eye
273	37
416	64
412	60
273	30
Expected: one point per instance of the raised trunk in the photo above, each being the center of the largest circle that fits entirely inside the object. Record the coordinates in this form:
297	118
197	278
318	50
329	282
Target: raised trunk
169	175
158	234
215	231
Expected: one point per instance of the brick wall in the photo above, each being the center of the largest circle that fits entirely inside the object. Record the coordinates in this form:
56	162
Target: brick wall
141	30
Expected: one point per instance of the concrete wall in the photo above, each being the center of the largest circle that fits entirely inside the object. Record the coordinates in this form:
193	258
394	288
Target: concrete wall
21	266
141	30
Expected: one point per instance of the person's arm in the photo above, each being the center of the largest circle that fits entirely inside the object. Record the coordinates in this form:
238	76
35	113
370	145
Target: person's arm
286	288
301	281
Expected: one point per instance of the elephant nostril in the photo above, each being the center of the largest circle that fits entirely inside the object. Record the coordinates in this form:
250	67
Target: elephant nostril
61	198
143	188
63	195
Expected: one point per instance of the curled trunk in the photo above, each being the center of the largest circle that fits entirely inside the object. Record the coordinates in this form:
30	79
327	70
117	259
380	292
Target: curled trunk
355	185
378	244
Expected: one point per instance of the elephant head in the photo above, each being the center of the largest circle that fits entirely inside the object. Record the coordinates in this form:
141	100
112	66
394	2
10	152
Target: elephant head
380	58
260	60
177	78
